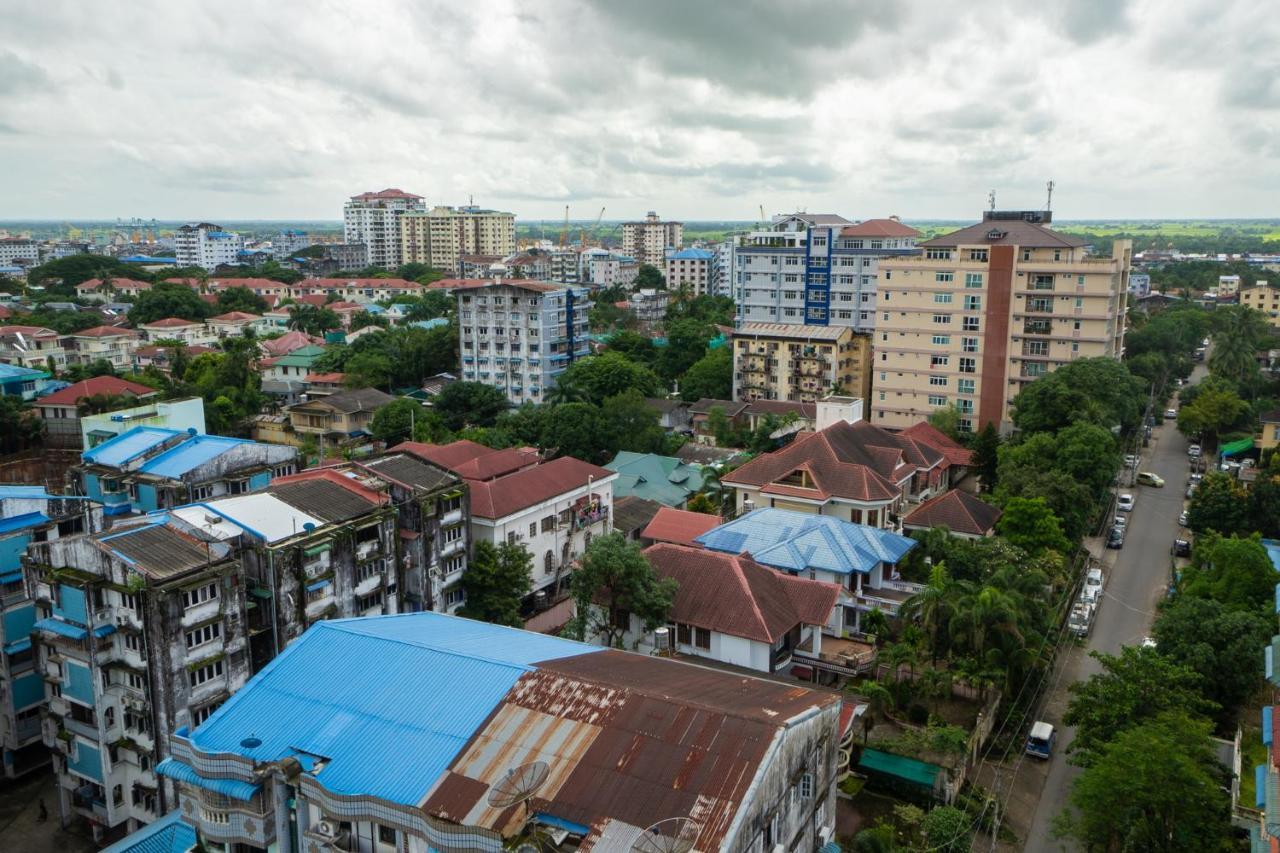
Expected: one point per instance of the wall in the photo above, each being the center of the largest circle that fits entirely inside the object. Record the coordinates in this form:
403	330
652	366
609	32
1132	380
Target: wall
178	414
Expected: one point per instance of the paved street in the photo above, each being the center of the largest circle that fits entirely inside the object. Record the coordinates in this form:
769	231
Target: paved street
1136	579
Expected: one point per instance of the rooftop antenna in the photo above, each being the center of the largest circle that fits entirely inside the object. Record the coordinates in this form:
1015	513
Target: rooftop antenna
1048	202
673	835
991	199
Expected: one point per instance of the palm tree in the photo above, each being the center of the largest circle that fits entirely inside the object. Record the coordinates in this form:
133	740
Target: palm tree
934	685
933	608
1238	335
894	655
565	392
988	613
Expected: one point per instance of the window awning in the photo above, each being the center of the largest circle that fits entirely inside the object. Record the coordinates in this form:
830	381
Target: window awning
18	646
62	629
14	577
104	631
234	788
260	592
312	587
315	550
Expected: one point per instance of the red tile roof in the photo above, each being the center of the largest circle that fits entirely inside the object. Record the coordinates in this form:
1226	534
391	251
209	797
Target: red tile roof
103	332
509	494
344	306
288	342
926	433
326	378
373	283
733	594
117	283
235	317
170	323
73	394
782	407
521	283
679	526
879	228
471	460
33	331
956	510
445	455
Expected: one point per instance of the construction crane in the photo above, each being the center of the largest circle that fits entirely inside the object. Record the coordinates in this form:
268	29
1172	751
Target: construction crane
763	221
564	232
582	235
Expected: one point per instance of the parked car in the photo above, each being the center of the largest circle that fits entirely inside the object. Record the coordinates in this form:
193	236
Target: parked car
1191	489
1115	539
1194	451
1121	521
1080	620
1130	461
1148	642
1170	414
1124	503
1182	519
1040	741
1147	478
1181	548
1195	478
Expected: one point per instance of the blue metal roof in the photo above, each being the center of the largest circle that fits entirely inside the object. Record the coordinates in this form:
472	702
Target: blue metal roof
1266	724
797	541
1273	551
21	522
104	631
190	454
169	834
62	629
692	255
13	371
236	788
128	445
11	577
23	492
388	729
18	646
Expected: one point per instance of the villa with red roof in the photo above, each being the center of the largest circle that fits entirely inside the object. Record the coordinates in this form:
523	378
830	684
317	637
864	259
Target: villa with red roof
176	328
235	323
678	526
114	344
106	290
553	508
61	414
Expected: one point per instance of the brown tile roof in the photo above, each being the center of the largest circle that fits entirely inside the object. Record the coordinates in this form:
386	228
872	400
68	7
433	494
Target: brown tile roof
327	494
782	407
73	394
451	456
503	496
326	378
630	513
735	595
352	400
235	317
1013	232
30	331
926	433
371	283
879	228
679	526
170	323
956	510
104	332
390	192
118	283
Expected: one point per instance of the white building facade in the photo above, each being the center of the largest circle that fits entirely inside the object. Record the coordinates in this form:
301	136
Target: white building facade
206	246
373	220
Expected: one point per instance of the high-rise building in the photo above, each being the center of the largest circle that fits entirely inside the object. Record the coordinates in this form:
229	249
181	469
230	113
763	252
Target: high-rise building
648	241
374	220
815	269
1262	297
780	361
206	246
441	236
518	336
692	269
986	310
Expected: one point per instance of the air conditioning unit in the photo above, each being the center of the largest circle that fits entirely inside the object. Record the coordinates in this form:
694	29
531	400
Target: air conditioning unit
122	620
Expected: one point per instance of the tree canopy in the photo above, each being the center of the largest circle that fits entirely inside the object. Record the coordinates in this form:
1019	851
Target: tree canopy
1099	391
710	376
1217	642
1234	571
463	404
616	580
496	579
168	299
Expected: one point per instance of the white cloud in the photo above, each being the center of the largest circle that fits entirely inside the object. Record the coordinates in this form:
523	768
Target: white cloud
698	110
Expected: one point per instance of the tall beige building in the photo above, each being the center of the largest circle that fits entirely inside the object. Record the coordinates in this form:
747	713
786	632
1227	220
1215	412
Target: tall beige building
648	241
983	311
1265	298
782	361
441	236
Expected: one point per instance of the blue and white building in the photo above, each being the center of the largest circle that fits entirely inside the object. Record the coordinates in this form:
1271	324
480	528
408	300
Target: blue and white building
207	246
24	382
815	269
27	513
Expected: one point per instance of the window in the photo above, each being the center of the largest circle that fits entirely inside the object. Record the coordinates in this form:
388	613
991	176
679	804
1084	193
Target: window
942	340
454	597
971	324
237	487
937	400
208	672
968	365
939	360
973	279
969	344
701	638
199	595
202	493
973	303
938	381
978	254
942	298
684	635
199	715
944	277
965	386
533	529
368	602
937	254
386	835
204	634
369	569
938	319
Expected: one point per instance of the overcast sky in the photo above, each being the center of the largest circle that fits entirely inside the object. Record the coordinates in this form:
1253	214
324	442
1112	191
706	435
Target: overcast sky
697	109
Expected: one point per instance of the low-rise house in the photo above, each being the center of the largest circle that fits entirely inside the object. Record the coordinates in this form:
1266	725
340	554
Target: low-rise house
551	508
664	479
32	346
149	468
861	560
631	515
109	289
961	513
162	357
27	514
338	417
957	459
731	609
673	415
700	417
795	416
419	763
177	329
286	375
61	411
431	388
235	324
1268	436
113	344
289	342
356	289
184	415
26	383
318	385
678	526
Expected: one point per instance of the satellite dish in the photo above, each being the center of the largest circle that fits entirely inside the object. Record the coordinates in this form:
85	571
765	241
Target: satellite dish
673	835
518	785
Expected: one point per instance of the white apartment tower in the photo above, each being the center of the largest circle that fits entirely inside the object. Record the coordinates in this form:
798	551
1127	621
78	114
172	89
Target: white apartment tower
649	240
373	219
206	246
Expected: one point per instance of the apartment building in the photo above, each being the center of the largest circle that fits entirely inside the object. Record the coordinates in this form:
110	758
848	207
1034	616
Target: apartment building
650	305
113	344
428	762
287	242
816	269
518	336
691	269
1265	298
19	251
441	236
553	509
1228	285
34	347
373	220
779	361
648	240
986	310
27	514
206	246
606	268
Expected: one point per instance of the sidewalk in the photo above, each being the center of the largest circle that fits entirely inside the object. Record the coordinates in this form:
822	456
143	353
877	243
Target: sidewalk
20	829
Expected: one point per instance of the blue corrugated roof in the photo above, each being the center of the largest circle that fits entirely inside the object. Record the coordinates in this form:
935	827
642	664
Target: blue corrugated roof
190	454
22	492
388	730
22	522
14	371
62	629
175	769
797	541
128	445
692	255
11	577
169	834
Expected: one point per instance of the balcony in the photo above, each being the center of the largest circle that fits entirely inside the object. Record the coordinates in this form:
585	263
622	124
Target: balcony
1038	306
1035	350
1037	327
450	548
451	518
365	550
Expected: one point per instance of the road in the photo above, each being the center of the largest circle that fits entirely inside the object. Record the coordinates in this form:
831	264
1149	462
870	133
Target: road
1136	579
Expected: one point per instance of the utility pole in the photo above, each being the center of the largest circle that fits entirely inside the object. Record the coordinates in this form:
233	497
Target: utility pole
995	816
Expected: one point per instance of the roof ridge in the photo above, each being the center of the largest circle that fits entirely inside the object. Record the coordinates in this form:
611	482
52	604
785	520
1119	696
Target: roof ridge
741	574
338	625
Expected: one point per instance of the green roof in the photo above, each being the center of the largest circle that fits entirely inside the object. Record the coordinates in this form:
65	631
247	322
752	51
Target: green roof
900	767
1234	447
664	479
301	357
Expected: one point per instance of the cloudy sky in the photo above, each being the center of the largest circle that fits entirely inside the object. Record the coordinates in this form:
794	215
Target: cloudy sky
698	109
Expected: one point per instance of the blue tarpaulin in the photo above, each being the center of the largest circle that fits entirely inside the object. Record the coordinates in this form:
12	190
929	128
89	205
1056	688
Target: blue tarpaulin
62	629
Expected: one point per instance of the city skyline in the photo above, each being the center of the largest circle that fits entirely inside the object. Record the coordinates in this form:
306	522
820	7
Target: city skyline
711	113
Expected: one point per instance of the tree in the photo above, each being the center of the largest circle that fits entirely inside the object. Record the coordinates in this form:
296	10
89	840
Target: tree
1032	526
579	430
96	404
1132	688
464	404
635	347
1211	413
1156	787
1099	390
947	829
394	422
702	502
1217	642
710	376
608	374
313	320
20	426
60	276
932	608
614	583
686	343
1218	503
1234	571
369	369
986	455
168	299
1238	333
240	299
496	580
650	276
631	424
947	421
1263	510
879	701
